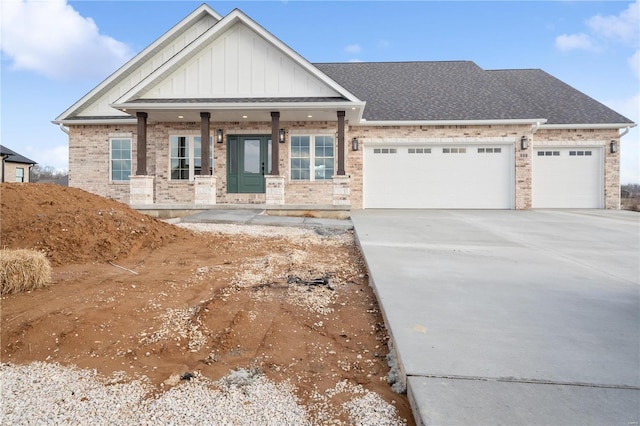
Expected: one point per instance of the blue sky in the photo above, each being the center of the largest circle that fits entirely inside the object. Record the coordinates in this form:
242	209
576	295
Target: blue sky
55	51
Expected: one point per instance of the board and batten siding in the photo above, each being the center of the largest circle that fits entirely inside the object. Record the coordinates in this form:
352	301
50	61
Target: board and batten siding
240	63
101	106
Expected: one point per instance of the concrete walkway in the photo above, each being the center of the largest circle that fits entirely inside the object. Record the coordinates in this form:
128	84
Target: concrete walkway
511	317
259	217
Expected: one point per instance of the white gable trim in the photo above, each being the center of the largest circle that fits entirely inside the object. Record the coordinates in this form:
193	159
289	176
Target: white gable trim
132	63
216	31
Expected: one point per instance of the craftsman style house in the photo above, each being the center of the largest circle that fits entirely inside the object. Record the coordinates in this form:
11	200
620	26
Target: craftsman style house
218	110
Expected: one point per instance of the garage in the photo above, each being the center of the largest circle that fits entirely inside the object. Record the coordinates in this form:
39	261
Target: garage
568	177
439	176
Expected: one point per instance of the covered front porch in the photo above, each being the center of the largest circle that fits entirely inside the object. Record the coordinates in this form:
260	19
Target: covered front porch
304	170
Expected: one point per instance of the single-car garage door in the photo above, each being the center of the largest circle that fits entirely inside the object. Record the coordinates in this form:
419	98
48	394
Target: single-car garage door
568	177
439	177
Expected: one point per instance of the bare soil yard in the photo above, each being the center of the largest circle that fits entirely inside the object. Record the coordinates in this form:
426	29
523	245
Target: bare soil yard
294	305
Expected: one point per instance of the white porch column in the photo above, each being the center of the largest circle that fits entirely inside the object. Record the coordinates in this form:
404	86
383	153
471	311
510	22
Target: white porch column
274	189
140	190
341	190
205	188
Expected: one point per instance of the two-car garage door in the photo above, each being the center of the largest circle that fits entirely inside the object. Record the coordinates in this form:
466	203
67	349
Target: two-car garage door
439	177
433	176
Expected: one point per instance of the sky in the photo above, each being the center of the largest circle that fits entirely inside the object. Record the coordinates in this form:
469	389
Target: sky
55	51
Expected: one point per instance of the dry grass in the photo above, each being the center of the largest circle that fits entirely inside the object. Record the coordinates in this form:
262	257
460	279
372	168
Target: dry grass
631	203
23	270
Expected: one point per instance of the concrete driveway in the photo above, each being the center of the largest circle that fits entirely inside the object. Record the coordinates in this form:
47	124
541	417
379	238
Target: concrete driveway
511	317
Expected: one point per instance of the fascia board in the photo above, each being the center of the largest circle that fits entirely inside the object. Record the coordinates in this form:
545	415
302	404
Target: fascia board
217	30
452	122
239	106
196	14
80	121
588	126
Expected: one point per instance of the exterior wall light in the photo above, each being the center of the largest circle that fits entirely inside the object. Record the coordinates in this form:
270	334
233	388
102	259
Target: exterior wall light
354	144
614	147
219	136
524	143
281	136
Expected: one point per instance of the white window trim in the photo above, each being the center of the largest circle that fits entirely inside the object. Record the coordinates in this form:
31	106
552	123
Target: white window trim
111	139
192	164
21	169
312	156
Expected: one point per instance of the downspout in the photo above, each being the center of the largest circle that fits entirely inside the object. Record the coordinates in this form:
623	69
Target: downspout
4	157
534	128
626	130
64	129
30	167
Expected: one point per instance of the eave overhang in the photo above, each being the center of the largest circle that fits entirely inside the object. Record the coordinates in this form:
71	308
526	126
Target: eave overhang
499	122
588	126
232	111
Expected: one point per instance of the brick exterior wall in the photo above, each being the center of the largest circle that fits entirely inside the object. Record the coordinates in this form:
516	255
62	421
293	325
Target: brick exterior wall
89	157
11	168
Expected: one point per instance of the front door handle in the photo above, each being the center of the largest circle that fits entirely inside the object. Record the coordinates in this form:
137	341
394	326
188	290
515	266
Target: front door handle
263	168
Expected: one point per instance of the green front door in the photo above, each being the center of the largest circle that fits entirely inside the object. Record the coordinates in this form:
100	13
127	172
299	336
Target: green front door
248	160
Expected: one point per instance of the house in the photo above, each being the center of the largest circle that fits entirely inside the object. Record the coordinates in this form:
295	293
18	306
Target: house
15	167
284	131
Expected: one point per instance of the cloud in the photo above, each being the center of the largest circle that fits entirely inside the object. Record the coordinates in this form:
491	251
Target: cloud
634	63
56	157
567	42
51	38
623	27
353	48
384	44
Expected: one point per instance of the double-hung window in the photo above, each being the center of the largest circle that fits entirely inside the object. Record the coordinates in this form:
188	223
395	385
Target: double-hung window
312	157
186	157
120	159
19	174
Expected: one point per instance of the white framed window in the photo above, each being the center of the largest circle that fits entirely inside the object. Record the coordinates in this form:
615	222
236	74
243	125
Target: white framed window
312	157
185	157
120	153
19	174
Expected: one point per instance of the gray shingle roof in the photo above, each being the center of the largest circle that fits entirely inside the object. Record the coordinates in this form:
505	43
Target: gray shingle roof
461	90
14	157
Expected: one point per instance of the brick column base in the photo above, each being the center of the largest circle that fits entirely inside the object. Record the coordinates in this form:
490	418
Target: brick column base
140	190
341	190
275	189
205	188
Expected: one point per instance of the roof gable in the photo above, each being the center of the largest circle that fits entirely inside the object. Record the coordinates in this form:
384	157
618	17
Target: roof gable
236	58
14	157
96	102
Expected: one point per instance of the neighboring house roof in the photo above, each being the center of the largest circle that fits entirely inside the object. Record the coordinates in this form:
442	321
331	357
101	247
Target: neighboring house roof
14	157
461	90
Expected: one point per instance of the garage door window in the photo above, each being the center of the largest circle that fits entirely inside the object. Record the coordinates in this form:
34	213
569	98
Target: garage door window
454	150
489	150
419	150
312	157
579	153
548	153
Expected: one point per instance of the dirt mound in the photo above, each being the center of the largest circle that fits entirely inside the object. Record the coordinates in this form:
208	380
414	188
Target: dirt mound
74	226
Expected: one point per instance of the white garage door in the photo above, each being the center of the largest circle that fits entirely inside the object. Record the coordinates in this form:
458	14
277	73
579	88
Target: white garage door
568	177
439	177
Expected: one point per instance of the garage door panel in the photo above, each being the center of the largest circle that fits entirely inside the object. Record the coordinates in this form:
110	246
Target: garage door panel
463	177
568	177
